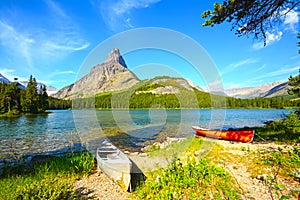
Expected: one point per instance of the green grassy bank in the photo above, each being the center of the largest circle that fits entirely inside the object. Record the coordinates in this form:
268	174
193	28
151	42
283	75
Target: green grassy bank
51	179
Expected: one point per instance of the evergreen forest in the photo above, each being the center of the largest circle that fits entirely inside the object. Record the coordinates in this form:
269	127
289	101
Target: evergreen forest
33	100
135	99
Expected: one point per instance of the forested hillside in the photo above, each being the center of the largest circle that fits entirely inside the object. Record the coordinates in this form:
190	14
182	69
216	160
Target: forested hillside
145	95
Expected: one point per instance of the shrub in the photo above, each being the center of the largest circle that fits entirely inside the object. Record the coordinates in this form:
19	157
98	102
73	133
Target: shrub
292	123
285	130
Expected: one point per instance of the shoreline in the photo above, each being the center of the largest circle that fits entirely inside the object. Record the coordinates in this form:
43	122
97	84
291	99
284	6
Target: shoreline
252	187
12	115
98	186
161	141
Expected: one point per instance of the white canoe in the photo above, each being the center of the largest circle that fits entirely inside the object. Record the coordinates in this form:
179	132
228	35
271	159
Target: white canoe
115	164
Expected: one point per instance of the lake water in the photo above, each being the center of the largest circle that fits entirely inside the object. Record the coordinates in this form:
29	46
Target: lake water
63	130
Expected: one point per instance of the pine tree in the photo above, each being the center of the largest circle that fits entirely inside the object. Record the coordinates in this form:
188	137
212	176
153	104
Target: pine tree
294	82
30	101
2	98
43	98
11	98
250	17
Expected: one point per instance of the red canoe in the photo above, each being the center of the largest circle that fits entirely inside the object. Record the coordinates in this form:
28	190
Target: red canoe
232	135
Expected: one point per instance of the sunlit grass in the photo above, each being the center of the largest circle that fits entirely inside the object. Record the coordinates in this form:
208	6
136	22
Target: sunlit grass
175	148
283	161
195	179
191	174
52	179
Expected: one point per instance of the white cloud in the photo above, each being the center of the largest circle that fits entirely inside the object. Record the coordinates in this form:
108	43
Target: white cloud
6	71
10	74
15	41
56	73
128	22
291	19
233	85
270	39
56	9
116	14
283	71
294	57
56	37
261	68
238	64
290	22
125	6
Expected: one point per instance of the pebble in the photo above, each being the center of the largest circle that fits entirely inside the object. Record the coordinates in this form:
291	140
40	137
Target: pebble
143	154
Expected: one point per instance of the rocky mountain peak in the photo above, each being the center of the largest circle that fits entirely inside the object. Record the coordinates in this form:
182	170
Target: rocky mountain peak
111	75
115	57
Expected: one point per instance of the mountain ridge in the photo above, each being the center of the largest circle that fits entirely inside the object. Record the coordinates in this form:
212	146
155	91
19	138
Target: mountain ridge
110	75
23	85
265	91
113	75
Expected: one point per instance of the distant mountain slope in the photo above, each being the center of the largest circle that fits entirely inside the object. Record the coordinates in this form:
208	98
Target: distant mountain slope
268	90
278	90
4	79
23	84
111	75
50	89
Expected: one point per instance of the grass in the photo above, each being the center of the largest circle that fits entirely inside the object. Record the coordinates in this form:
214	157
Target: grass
52	179
276	168
283	162
195	179
191	175
173	149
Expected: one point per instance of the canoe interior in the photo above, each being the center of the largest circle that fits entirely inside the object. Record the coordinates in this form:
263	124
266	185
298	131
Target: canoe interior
115	164
245	136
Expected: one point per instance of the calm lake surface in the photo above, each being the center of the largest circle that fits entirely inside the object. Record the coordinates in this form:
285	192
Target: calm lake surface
62	130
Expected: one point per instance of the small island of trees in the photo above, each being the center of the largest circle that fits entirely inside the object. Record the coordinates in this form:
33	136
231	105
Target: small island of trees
33	100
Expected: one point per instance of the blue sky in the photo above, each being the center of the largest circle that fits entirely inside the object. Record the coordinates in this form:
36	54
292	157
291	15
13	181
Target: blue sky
51	39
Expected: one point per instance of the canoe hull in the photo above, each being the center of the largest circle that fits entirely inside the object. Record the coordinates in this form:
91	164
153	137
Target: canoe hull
244	136
115	164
